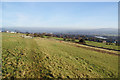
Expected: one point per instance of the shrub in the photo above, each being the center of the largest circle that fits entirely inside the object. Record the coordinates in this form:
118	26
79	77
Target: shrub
82	41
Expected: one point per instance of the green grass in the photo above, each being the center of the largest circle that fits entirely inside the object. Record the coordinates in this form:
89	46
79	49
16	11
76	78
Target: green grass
102	45
97	44
57	38
19	57
47	58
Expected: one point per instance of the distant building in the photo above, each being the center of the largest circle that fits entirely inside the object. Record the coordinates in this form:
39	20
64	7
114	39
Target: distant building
51	33
104	41
7	31
100	37
12	32
115	41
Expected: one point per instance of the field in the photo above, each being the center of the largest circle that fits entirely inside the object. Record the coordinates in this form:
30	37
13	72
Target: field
102	45
97	44
50	58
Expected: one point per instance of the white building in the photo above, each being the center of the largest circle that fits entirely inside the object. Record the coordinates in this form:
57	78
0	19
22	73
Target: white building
7	31
12	32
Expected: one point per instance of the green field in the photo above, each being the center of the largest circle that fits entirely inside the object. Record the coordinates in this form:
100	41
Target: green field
97	44
102	45
49	58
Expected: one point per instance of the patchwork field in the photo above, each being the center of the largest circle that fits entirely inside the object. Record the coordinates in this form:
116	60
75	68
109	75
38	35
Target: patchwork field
49	58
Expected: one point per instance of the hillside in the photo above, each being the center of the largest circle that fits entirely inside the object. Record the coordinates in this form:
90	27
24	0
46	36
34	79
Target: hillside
49	58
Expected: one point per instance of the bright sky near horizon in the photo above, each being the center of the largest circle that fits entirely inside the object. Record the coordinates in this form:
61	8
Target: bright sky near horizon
74	15
60	0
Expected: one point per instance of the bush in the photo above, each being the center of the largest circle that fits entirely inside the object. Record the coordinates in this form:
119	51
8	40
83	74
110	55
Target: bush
82	41
73	39
35	34
64	39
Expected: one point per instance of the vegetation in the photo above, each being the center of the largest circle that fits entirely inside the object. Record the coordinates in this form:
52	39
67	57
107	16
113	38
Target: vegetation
48	58
93	43
113	46
81	39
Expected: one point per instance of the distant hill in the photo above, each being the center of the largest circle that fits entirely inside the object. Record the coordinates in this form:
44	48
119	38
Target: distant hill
101	31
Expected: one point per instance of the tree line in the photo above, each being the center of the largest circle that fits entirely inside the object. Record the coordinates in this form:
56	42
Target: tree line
70	37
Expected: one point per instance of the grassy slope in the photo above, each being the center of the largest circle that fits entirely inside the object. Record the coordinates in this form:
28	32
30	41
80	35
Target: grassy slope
39	57
102	45
97	44
19	57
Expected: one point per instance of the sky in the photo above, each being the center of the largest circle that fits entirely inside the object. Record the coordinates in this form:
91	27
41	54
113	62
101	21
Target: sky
69	15
60	0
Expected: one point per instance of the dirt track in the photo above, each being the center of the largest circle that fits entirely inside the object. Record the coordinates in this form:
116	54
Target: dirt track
100	50
112	52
